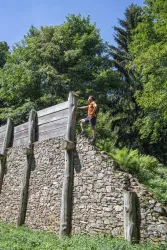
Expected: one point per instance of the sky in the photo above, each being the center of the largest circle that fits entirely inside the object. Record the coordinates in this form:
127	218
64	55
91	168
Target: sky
18	15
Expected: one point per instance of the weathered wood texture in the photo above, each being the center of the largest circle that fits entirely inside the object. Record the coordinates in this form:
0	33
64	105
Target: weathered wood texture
2	167
7	137
57	132
68	145
6	131
52	122
20	135
53	109
66	202
32	123
130	220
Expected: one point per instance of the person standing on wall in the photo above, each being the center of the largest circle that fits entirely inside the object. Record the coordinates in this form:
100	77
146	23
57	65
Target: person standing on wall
91	118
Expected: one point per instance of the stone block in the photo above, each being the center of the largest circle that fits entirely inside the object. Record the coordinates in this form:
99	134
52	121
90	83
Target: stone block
118	208
108	189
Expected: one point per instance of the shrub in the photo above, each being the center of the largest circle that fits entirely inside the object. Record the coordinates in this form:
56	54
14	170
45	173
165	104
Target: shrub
147	169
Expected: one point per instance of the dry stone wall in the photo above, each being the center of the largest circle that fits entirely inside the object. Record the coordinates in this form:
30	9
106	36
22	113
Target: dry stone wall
45	187
98	190
12	184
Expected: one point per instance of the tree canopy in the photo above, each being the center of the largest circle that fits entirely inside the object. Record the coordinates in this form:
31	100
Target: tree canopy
149	50
128	78
51	61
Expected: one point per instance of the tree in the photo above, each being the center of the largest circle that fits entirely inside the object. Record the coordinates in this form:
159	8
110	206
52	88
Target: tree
50	62
124	107
123	36
4	51
149	50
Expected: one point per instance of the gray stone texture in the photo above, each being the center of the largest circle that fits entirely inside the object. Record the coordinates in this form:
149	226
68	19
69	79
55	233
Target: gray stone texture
98	197
45	187
12	183
99	185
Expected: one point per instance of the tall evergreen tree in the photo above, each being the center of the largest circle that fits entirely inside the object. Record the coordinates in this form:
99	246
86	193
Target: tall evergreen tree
124	107
123	37
4	51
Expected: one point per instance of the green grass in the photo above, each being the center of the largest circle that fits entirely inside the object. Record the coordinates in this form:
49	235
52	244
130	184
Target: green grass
12	238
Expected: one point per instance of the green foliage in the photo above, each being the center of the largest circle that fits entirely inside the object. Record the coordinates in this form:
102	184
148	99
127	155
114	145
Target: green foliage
51	61
4	52
123	36
104	125
124	108
149	51
13	238
147	169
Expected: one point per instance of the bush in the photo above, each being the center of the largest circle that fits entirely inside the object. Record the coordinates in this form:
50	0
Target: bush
147	169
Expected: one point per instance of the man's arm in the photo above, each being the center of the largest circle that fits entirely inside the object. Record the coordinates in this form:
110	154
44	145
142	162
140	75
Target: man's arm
83	107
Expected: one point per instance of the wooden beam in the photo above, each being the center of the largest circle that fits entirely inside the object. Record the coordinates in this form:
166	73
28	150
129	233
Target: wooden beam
29	158
21	127
68	145
2	157
31	127
20	142
66	202
53	117
24	192
2	167
20	134
7	137
57	132
130	221
53	109
53	125
5	145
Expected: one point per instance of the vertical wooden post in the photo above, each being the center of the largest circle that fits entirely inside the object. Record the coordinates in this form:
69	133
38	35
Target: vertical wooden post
66	202
130	222
7	138
27	170
6	143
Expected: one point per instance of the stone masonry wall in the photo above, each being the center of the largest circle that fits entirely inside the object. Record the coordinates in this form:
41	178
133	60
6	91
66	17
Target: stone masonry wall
45	187
12	182
98	197
97	193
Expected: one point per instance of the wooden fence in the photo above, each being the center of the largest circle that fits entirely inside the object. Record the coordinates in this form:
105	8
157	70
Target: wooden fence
49	123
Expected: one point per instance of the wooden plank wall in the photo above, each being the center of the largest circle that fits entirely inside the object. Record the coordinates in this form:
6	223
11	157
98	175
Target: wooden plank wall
2	135
20	135
52	123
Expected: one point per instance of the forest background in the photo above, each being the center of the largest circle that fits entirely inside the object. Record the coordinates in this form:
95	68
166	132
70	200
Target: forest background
128	79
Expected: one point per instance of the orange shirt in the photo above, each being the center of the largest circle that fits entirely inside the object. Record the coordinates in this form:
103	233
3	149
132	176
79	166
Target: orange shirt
91	107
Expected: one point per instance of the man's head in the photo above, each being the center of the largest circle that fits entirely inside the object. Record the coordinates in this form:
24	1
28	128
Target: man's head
91	98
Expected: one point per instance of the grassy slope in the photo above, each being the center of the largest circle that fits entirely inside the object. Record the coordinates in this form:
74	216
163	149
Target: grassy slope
12	238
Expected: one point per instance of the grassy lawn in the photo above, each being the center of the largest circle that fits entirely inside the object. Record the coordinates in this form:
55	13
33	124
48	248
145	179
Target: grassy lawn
12	238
